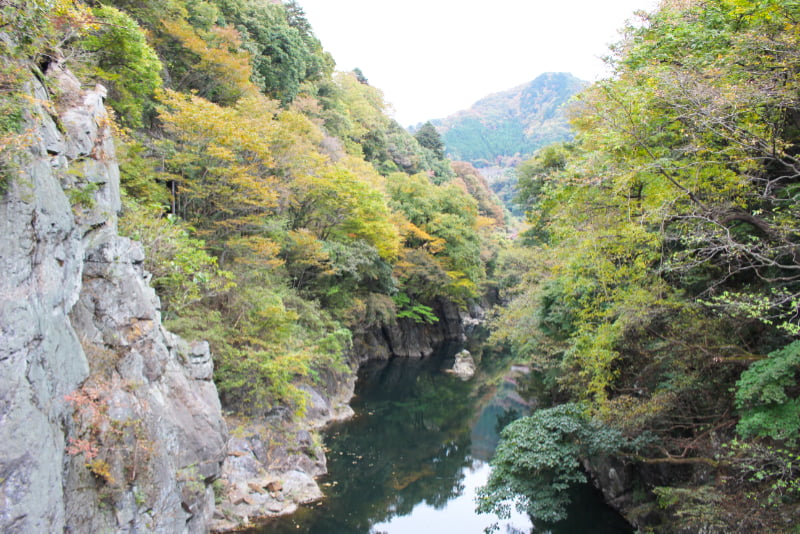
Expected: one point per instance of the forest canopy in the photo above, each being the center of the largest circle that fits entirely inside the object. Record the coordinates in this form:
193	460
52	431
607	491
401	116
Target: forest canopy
271	193
655	288
657	280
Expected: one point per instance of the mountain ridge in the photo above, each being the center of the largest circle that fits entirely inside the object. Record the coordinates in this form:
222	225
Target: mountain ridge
504	127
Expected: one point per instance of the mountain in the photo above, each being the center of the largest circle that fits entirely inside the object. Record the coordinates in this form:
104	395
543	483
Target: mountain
503	127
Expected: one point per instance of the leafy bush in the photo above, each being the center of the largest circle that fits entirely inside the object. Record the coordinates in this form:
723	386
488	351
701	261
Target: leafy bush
419	313
183	272
762	393
267	341
777	469
696	507
537	461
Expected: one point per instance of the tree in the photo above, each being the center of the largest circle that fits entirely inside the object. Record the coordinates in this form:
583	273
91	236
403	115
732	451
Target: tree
537	462
662	241
443	221
763	393
360	76
429	138
285	53
227	187
122	59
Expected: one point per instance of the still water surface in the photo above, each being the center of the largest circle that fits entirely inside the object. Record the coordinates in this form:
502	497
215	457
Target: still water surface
412	458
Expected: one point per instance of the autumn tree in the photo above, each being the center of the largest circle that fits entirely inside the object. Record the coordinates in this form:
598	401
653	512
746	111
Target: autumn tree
663	239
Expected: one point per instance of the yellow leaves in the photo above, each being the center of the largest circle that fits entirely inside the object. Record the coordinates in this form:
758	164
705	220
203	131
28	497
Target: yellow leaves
102	469
220	153
592	356
220	55
416	237
226	154
461	288
364	107
256	251
77	16
305	256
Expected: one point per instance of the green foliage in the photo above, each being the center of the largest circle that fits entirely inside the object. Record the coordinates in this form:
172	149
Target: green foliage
36	27
774	470
489	206
285	53
537	461
267	342
81	196
763	395
250	178
535	177
512	124
140	178
12	137
443	221
696	507
122	59
183	272
429	138
660	257
419	313
30	30
339	203
11	117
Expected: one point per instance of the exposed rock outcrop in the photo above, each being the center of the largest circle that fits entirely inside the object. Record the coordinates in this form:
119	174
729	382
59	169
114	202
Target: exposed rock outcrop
272	463
108	422
464	366
410	339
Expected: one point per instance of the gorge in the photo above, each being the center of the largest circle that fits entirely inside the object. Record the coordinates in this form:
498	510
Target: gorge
206	232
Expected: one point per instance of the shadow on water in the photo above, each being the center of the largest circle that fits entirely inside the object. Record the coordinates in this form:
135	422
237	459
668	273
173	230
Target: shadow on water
410	460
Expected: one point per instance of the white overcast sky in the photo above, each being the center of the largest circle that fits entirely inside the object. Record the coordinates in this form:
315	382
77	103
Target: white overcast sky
432	58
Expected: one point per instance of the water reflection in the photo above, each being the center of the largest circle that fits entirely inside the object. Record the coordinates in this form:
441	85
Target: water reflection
412	458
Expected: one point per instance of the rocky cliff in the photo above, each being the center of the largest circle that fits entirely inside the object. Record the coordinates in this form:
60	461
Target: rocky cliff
109	423
409	339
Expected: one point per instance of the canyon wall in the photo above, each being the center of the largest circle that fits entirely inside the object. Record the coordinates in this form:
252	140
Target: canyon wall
109	423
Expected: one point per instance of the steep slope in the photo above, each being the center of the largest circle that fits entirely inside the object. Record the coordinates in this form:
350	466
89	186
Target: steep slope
109	422
506	126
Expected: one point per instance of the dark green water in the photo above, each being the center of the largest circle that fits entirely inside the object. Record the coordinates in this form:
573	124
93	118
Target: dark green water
410	460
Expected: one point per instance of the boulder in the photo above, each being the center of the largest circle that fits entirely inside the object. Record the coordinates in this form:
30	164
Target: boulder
464	366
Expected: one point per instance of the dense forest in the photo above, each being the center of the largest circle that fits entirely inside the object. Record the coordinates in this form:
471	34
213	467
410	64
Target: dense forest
504	128
281	209
655	287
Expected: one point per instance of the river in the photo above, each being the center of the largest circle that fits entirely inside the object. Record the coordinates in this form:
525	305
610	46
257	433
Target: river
410	460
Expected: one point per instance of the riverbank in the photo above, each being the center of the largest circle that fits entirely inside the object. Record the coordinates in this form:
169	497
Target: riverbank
412	457
273	463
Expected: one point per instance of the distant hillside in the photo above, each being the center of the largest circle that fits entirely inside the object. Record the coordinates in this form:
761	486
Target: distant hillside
503	127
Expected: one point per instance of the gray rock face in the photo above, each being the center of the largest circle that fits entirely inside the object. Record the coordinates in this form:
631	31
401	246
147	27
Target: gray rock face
41	359
108	423
408	339
464	366
272	464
